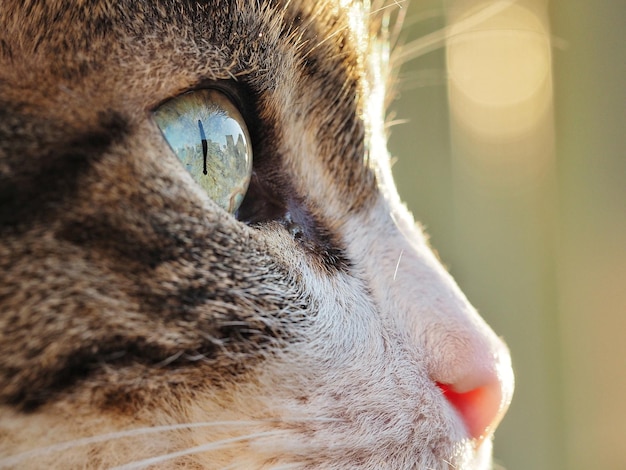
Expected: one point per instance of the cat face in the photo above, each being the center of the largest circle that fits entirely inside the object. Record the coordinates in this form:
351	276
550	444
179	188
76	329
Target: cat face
151	316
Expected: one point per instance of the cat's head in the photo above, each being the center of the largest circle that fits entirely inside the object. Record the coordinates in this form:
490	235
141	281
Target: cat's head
148	314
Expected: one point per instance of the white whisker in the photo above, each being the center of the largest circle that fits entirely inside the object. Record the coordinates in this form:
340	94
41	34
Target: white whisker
435	40
194	450
63	446
378	9
395	273
281	467
287	466
393	123
449	464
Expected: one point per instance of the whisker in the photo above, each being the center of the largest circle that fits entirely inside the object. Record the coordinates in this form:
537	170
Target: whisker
425	77
230	467
421	17
450	464
395	273
281	467
194	450
396	122
325	40
287	466
63	446
395	4
374	12
435	40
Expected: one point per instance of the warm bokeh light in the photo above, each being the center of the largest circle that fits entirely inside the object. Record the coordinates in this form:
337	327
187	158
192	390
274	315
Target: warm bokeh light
499	71
500	85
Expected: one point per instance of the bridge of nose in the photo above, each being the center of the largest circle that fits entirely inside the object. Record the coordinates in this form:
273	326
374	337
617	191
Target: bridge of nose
464	357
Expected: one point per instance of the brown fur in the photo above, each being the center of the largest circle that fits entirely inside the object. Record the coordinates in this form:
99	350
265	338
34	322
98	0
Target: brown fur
110	72
128	298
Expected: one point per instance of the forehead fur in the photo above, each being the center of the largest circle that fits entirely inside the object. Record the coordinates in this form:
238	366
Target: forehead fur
58	42
92	57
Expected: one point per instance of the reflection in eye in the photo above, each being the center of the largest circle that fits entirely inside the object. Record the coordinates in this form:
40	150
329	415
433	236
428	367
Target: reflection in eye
210	138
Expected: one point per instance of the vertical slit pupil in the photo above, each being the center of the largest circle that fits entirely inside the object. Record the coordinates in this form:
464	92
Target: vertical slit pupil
205	146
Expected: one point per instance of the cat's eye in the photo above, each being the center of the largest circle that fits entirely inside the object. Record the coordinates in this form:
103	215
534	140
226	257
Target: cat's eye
210	138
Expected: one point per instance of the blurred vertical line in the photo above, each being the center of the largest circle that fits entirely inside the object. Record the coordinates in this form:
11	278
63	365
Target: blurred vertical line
591	154
500	95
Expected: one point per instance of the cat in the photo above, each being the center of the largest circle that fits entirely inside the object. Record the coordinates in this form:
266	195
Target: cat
204	261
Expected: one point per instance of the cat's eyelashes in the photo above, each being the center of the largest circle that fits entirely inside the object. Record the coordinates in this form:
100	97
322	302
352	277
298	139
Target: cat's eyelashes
209	136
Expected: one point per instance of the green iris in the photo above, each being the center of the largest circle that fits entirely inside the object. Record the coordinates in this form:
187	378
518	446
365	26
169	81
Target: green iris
210	138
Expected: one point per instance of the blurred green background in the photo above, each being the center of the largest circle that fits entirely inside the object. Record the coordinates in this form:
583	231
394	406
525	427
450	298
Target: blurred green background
514	158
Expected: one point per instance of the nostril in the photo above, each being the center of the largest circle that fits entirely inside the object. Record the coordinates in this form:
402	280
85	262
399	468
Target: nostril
473	371
481	408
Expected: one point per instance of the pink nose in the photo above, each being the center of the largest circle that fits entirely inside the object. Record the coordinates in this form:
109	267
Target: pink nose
481	400
479	408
